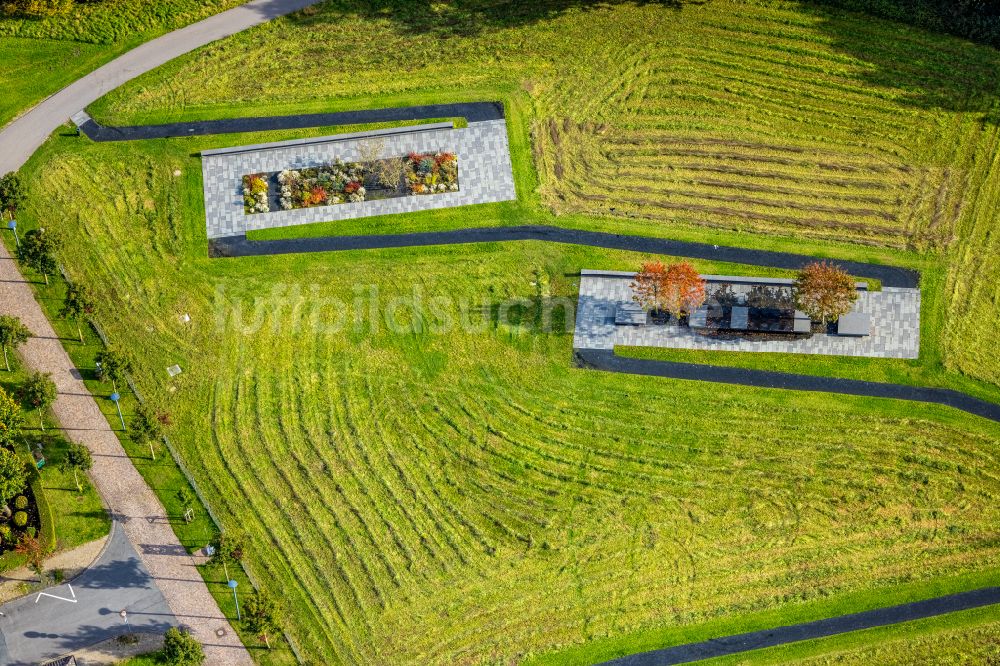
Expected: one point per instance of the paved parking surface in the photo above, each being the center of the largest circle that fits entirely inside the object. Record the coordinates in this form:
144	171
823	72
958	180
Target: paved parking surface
84	611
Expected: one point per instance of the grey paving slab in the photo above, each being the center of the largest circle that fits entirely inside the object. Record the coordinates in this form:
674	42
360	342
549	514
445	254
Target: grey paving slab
85	611
894	314
485	175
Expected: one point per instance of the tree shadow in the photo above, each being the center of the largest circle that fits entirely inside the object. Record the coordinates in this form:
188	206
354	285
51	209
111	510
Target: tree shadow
464	18
934	71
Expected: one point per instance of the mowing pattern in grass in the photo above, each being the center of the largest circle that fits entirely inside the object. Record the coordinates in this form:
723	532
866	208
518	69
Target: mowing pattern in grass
763	122
735	116
469	496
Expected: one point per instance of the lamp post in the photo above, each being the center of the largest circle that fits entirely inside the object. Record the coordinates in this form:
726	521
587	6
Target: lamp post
12	225
232	586
115	398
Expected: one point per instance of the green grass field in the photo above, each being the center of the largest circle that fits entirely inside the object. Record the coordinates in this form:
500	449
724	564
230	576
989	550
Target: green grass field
447	496
956	638
40	56
452	494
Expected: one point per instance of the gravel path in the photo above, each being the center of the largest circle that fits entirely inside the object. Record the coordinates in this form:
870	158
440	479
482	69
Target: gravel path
124	491
21	138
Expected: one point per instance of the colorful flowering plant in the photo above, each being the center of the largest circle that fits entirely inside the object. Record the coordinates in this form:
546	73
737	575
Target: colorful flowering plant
432	173
344	182
255	193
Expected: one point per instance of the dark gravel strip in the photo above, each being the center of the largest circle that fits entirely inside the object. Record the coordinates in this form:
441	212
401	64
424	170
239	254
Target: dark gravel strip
600	359
239	246
473	112
755	640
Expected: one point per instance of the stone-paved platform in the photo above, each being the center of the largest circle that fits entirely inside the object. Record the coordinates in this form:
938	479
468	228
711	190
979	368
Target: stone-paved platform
485	174
894	312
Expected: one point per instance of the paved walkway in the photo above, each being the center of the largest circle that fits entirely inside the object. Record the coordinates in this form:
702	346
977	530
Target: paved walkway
605	359
894	312
239	246
485	174
124	491
22	137
473	112
64	618
755	640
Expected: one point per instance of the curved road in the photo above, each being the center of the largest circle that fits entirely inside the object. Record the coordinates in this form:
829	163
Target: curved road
125	493
22	137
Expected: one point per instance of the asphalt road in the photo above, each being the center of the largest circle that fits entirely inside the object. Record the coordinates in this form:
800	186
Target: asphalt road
21	138
85	610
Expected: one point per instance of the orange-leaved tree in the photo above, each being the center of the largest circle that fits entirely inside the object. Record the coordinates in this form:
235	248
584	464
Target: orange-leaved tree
647	289
824	291
677	288
683	289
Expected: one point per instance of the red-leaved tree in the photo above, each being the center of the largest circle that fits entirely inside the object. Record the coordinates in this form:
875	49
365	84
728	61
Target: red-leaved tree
648	285
824	291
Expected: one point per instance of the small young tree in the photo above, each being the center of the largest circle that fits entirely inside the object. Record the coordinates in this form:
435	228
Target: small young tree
229	548
647	288
35	550
683	289
824	291
78	458
13	475
78	304
13	334
114	365
39	391
38	251
11	192
11	419
146	427
260	616
181	648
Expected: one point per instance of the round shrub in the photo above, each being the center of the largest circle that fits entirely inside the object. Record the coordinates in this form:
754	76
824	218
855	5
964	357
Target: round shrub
21	503
6	535
20	519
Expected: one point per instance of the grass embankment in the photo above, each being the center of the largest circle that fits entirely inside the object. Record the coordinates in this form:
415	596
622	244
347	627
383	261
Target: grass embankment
40	56
960	638
715	121
78	517
162	474
463	493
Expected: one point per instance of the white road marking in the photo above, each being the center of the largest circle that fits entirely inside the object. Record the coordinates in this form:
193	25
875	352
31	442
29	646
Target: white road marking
71	593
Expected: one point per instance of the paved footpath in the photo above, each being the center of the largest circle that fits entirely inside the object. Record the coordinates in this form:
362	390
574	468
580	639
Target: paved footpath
123	489
125	493
21	138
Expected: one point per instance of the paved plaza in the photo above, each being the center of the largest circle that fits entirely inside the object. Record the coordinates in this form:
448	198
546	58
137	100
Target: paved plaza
894	313
485	174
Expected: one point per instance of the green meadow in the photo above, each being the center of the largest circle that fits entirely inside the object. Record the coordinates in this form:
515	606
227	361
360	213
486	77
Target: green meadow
424	475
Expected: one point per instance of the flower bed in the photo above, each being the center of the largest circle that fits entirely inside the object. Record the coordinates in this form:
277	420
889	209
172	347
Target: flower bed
353	182
432	173
325	185
255	190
